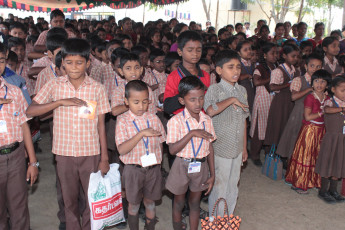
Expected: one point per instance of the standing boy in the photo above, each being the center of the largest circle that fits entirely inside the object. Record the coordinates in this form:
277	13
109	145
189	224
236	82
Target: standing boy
14	135
139	138
190	137
226	102
190	49
79	104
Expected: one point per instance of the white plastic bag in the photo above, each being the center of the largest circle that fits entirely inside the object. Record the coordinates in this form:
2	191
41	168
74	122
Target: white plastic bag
105	198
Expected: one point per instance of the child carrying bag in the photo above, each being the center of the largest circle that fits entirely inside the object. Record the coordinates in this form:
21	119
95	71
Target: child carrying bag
273	165
105	198
221	223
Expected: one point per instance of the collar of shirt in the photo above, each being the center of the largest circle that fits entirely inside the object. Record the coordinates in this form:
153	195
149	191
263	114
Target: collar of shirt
339	102
133	117
328	62
245	62
86	81
227	86
186	73
307	77
291	70
158	73
202	116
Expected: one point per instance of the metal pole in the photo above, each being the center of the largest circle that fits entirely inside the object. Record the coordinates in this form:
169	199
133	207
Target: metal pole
217	15
144	14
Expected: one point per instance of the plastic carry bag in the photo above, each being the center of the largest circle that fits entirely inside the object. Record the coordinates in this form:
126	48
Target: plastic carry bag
105	198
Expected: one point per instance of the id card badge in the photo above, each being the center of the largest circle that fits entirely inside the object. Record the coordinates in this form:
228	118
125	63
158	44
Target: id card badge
148	160
343	129
3	126
194	167
89	111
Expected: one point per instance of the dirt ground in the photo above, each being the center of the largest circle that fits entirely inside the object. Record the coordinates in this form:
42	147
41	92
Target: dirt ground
262	203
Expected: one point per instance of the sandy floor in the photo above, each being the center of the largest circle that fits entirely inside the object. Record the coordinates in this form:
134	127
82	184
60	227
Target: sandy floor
262	203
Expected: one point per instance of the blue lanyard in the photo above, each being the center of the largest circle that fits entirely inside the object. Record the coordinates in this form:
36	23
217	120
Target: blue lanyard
116	81
21	71
147	139
4	98
251	69
51	67
191	140
287	72
155	77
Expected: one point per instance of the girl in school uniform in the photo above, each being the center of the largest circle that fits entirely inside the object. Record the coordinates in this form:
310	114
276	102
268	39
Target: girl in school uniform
330	47
300	88
281	105
331	161
262	100
244	49
300	172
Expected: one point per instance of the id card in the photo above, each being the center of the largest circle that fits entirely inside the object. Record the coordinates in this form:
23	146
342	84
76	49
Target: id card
194	167
343	129
89	111
3	126
148	160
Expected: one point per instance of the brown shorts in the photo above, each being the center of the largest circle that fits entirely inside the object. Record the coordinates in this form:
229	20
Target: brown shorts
142	182
179	179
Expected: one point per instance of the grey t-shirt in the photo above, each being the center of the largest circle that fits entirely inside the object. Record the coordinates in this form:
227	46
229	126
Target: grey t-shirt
229	124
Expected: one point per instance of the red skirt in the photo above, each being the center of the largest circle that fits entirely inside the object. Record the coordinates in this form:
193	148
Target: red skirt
300	172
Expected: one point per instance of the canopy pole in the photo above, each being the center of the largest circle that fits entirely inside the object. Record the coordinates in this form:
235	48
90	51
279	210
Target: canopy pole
217	15
144	14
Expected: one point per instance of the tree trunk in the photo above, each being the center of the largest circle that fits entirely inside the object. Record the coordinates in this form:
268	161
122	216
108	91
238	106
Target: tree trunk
300	11
329	17
217	15
207	11
344	14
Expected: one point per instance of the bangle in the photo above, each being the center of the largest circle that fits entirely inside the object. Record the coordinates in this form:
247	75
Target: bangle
34	164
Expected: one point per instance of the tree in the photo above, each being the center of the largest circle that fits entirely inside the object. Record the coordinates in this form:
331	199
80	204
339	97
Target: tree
207	9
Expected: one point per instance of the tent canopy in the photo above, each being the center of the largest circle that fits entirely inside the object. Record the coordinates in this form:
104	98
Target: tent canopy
76	5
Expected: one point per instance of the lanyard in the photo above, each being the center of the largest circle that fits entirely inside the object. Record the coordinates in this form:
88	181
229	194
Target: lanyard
21	71
251	69
51	67
116	81
191	140
287	72
4	97
155	77
147	139
180	73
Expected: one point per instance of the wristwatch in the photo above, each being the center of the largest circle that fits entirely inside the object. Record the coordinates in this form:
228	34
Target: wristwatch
35	164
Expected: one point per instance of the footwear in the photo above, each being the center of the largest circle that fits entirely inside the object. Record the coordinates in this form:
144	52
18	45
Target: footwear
327	198
300	191
337	196
133	222
257	162
122	225
62	226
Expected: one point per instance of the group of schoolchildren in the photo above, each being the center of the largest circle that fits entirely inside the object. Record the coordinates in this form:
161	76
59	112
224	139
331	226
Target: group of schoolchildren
107	100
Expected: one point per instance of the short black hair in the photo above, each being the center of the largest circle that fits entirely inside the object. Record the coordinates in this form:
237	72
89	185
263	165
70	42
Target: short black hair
241	34
118	53
56	13
336	32
113	42
305	44
138	49
225	56
76	46
300	24
128	57
156	53
12	56
136	85
32	38
203	61
241	44
338	80
101	47
322	74
18	25
3	49
57	30
170	58
178	27
222	31
187	36
58	59
189	83
54	42
238	24
313	56
14	41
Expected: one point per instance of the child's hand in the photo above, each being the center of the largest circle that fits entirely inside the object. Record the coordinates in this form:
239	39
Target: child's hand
201	134
237	104
150	132
244	155
73	102
104	167
32	174
209	183
5	101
